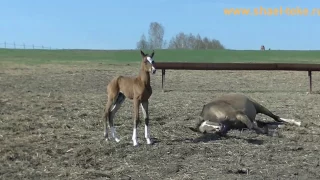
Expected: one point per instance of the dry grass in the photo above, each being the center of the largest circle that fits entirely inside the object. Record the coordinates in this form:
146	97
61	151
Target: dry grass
51	126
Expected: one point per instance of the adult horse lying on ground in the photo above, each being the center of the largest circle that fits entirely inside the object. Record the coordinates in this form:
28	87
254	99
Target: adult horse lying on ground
234	111
137	89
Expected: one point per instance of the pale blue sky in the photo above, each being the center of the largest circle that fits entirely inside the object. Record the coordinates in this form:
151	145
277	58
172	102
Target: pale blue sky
118	24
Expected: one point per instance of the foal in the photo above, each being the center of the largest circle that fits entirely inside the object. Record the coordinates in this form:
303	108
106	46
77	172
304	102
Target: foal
138	90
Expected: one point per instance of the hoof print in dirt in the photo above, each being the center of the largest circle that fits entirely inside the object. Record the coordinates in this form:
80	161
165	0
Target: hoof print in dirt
242	171
207	137
194	130
239	171
152	141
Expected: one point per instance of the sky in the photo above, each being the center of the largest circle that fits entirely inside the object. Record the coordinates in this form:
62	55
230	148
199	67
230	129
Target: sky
119	24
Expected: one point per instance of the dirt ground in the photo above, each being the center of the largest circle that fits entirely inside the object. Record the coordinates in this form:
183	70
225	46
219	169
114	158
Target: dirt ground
52	128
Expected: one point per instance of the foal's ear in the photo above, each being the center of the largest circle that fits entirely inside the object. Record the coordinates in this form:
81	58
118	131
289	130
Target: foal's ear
142	53
152	54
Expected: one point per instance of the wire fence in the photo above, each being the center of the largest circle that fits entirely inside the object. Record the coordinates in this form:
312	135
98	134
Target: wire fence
14	45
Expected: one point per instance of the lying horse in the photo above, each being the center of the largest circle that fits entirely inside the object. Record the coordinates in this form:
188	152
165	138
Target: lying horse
234	111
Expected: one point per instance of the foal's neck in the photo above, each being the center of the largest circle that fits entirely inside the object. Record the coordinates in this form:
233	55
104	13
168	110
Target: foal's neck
144	76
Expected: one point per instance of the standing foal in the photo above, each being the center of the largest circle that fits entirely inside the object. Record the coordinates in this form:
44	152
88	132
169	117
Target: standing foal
137	89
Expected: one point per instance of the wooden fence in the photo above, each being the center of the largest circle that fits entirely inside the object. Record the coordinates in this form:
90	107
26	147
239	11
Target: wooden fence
238	66
8	45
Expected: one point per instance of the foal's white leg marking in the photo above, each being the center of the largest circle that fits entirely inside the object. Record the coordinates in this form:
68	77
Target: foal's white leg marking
134	137
113	111
146	115
113	134
146	134
291	121
113	129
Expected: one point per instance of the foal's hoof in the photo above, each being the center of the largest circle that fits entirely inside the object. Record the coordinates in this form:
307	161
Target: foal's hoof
149	142
135	142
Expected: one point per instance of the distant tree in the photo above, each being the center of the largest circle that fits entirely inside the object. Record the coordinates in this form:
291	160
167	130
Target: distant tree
198	43
156	33
190	41
179	41
165	44
143	43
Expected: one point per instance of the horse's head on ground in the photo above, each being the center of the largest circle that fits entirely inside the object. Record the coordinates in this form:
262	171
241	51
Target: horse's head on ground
148	62
206	126
203	126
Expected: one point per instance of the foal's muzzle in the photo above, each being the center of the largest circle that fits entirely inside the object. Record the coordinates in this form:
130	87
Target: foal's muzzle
153	70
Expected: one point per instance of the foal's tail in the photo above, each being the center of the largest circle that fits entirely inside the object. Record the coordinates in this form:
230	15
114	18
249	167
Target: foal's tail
113	90
113	87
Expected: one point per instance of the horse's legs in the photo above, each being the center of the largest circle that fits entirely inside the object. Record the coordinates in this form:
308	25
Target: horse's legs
251	125
144	107
136	120
116	105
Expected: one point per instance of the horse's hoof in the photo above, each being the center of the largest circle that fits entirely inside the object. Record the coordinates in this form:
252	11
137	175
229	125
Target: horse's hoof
117	140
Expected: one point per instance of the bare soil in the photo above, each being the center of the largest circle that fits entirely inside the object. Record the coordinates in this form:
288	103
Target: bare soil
52	126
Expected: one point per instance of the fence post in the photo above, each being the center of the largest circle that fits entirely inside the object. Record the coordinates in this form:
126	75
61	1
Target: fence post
310	81
163	78
14	45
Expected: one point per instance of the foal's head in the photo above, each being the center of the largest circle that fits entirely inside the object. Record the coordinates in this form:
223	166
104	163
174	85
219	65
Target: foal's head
148	62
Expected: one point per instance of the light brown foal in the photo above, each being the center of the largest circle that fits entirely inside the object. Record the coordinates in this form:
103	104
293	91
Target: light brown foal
137	89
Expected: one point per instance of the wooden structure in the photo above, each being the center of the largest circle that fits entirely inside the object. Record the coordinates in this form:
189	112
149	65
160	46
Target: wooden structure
238	66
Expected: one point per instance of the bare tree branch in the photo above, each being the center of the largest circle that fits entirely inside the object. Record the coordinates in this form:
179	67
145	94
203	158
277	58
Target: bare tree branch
156	33
143	43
